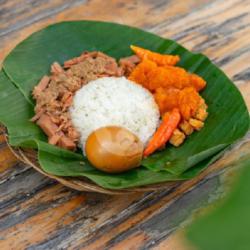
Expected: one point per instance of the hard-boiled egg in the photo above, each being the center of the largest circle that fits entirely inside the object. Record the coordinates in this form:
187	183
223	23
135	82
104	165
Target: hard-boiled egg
114	149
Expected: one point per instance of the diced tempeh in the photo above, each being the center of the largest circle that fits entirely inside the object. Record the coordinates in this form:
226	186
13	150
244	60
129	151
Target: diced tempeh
196	124
177	138
201	114
186	127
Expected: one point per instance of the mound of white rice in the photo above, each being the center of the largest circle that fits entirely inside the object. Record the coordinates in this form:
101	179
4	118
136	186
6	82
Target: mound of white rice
114	101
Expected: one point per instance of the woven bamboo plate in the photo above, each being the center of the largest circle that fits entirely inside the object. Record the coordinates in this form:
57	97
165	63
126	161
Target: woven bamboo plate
29	157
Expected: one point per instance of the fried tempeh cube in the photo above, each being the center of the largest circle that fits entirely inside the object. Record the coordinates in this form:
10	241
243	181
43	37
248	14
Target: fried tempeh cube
196	124
186	127
177	138
201	113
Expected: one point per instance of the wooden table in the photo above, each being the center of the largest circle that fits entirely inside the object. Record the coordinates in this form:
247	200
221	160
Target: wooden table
38	213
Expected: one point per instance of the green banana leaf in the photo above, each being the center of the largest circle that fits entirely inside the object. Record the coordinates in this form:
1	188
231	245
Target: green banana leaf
228	116
66	163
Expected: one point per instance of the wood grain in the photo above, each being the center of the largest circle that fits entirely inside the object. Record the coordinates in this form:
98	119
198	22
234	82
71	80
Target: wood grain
37	213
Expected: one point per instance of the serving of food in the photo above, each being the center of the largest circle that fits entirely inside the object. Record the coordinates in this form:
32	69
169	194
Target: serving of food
119	112
132	111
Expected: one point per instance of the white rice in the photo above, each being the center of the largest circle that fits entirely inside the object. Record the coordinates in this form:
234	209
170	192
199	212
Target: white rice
114	101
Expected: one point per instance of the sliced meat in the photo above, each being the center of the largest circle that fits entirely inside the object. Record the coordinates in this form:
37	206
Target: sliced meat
127	64
54	139
110	67
37	116
66	143
47	125
42	85
56	68
55	135
134	59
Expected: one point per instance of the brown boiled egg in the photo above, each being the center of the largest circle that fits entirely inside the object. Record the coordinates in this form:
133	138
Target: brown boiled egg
114	149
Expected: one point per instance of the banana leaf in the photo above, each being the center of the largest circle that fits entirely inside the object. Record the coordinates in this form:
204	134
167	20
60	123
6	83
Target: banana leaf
22	69
66	163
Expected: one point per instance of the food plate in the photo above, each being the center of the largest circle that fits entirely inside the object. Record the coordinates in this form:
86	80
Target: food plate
228	118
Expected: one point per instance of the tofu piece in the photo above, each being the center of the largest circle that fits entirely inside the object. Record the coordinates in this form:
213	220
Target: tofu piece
186	127
177	138
196	124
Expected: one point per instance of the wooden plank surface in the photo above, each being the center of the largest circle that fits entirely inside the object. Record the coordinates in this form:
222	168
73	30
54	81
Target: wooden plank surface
37	213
